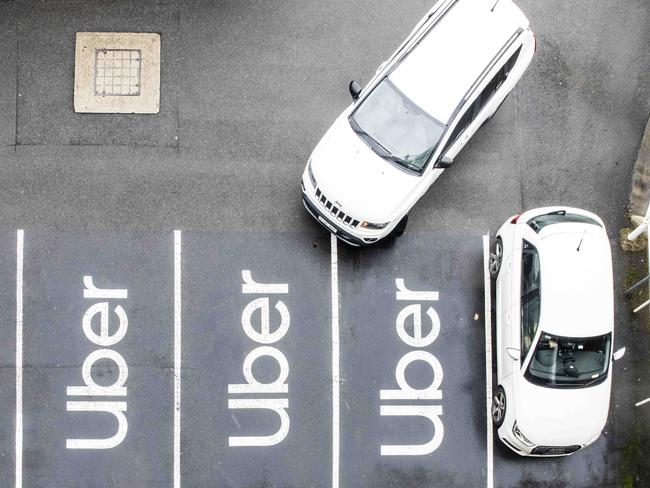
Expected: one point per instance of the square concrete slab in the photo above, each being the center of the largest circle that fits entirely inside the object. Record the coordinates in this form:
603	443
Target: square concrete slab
117	72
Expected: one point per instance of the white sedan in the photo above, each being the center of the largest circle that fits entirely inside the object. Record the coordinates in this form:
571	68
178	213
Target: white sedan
554	330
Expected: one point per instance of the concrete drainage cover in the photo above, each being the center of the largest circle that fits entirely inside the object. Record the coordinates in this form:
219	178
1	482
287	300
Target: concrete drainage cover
117	72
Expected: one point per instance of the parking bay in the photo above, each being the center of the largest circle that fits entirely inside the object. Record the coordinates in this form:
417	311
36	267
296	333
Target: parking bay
425	281
233	430
112	427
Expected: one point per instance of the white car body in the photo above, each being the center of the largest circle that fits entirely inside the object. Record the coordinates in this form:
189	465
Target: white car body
575	295
461	59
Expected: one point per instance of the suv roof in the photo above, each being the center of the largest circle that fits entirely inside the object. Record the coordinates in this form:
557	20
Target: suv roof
437	74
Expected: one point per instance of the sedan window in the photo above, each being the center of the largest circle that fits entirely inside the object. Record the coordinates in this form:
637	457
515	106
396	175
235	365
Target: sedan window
530	296
396	128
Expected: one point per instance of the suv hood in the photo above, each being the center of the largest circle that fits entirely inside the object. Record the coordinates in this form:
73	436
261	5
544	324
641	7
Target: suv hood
562	416
367	186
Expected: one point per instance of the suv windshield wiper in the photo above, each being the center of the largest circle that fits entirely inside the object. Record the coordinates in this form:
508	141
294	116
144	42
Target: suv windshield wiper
402	162
355	126
380	150
373	143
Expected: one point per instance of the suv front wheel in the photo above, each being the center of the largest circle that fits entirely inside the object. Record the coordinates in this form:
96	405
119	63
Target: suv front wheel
400	227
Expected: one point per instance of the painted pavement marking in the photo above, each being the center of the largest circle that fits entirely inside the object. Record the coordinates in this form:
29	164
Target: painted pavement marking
488	360
177	358
20	239
336	379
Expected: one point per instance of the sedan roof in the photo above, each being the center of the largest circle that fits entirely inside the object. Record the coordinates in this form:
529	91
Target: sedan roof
577	295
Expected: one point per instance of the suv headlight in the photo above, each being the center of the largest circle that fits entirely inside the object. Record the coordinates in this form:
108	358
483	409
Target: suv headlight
370	225
519	435
311	174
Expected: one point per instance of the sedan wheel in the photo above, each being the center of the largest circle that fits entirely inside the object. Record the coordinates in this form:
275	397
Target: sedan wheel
499	407
496	256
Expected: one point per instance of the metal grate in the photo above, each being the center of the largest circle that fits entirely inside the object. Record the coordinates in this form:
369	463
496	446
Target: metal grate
117	72
335	211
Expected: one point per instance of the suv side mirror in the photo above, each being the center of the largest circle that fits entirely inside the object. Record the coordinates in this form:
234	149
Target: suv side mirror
355	90
619	354
445	161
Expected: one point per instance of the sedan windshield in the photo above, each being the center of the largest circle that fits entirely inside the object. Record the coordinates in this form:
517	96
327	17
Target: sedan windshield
396	128
564	361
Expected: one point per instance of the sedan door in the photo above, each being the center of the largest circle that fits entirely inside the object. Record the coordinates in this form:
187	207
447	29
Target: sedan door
520	301
508	301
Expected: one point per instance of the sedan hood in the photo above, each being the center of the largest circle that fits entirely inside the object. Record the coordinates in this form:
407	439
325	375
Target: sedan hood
366	186
562	416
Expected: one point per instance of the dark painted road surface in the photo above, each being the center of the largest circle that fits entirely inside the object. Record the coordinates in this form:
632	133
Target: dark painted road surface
258	353
7	354
123	341
412	319
249	436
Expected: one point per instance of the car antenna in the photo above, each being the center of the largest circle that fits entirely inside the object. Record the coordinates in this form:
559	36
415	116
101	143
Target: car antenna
494	6
581	239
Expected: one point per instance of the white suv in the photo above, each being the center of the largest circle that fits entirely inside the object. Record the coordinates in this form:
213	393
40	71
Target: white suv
407	125
554	331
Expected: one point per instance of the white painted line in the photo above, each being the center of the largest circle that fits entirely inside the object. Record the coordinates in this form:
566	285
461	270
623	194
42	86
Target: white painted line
336	380
177	359
20	239
638	404
488	359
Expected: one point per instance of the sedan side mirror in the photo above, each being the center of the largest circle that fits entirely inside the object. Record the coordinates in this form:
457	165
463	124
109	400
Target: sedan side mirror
445	162
619	354
513	353
355	90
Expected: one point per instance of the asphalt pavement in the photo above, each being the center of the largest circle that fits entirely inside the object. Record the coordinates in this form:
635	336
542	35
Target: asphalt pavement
247	90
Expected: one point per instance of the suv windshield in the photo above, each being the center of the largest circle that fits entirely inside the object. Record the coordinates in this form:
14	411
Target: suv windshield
396	128
565	361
